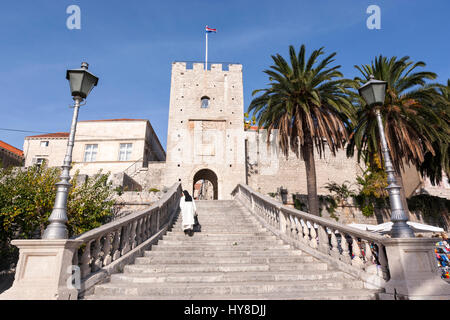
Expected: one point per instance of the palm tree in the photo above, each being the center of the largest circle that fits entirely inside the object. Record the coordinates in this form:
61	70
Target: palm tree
307	103
433	166
411	122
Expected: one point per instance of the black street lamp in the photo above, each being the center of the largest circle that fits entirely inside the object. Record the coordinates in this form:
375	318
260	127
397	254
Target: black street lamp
81	84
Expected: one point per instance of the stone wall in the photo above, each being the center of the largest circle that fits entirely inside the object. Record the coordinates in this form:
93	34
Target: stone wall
268	169
152	176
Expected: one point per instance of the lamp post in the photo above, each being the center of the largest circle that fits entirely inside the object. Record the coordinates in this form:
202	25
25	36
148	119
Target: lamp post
81	84
373	92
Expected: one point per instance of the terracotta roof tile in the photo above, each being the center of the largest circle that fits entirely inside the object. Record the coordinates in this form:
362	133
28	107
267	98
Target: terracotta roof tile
10	148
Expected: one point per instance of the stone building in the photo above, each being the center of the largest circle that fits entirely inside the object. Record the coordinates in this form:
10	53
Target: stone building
50	147
10	156
205	138
115	145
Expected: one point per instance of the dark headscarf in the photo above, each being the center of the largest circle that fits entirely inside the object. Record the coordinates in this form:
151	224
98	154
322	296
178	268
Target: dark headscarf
187	196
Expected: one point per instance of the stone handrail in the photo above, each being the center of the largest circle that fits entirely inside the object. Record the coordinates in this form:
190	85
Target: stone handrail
134	167
107	249
354	251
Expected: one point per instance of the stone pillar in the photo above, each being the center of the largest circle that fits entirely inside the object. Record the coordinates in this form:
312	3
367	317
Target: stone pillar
413	270
43	270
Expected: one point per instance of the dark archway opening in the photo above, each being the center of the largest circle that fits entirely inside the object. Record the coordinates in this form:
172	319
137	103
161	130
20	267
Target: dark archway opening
205	185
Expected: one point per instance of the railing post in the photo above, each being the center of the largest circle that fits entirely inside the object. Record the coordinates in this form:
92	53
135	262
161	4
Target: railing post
413	270
42	272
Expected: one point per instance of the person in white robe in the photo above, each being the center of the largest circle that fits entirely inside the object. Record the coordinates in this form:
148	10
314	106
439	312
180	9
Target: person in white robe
188	212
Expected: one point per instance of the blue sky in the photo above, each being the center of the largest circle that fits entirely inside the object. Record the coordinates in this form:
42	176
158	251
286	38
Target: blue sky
130	46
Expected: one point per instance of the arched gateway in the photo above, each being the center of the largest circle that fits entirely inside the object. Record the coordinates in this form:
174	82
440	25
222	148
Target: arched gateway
208	179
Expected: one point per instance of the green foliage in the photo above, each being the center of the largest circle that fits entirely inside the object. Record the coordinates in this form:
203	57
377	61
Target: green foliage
27	198
415	116
430	206
272	194
89	204
153	190
299	205
330	205
342	192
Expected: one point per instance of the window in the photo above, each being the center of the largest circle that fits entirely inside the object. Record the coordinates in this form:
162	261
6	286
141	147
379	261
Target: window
205	102
39	161
44	143
90	153
125	151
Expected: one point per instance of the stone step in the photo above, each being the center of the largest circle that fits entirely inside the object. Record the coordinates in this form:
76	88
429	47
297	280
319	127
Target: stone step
183	268
234	253
221	288
188	247
213	237
222	222
223	260
209	277
216	242
229	267
347	294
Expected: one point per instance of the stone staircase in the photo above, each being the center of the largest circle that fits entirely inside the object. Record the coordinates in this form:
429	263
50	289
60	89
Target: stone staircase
233	257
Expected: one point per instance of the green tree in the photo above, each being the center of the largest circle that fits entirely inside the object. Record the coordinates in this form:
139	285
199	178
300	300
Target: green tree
307	103
411	122
434	165
26	201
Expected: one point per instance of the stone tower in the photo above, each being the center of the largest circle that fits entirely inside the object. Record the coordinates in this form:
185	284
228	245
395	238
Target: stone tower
205	138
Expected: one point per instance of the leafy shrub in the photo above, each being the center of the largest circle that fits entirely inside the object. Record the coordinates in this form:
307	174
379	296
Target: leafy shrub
26	202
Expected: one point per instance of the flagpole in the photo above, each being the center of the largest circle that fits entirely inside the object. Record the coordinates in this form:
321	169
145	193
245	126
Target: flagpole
206	52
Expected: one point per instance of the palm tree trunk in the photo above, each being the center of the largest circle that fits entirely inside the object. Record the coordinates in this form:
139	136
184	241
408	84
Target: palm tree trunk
311	183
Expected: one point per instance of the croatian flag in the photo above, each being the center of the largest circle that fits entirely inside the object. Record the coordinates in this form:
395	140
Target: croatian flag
209	30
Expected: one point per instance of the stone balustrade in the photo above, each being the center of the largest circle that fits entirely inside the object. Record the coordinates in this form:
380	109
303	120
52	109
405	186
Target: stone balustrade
67	269
107	249
352	250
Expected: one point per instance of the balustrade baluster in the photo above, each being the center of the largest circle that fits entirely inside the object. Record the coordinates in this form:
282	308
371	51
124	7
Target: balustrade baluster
96	255
368	257
356	252
133	241
116	245
313	234
298	228
324	245
107	250
334	245
85	268
293	227
138	232
305	232
345	256
125	239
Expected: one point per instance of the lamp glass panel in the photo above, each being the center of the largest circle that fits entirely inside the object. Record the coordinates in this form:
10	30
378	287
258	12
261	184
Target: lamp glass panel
368	95
379	91
75	79
87	84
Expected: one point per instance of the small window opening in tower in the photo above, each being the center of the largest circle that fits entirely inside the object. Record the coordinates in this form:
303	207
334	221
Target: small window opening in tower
205	102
